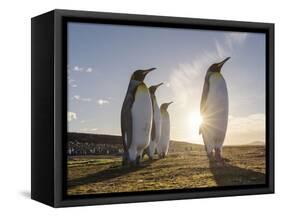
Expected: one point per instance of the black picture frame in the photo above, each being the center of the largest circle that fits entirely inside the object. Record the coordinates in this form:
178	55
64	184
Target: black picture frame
49	106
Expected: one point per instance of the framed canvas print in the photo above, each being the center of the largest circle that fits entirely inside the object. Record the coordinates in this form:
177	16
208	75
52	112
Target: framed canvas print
131	108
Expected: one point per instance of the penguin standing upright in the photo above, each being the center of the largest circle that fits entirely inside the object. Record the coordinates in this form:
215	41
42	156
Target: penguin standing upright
214	110
163	146
156	123
136	118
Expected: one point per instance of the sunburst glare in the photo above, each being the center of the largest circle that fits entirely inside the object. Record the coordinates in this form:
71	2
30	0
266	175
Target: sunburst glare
195	119
193	122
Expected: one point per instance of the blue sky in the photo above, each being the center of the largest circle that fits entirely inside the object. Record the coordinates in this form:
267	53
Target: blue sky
102	57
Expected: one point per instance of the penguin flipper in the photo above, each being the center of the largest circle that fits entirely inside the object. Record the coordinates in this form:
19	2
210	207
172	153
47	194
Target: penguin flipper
153	130
126	122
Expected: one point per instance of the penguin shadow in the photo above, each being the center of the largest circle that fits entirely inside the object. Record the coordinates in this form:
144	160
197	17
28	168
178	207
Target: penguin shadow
110	173
229	175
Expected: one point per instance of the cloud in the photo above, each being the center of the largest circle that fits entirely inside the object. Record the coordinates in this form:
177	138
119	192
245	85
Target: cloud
229	42
222	51
89	69
86	99
245	129
233	38
71	116
77	69
253	121
73	72
190	74
71	81
88	130
79	98
88	121
102	101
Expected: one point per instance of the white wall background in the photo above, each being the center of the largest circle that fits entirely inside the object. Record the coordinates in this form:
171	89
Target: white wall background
15	106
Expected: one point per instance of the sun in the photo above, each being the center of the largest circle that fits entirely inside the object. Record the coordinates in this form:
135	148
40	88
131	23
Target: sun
195	120
192	123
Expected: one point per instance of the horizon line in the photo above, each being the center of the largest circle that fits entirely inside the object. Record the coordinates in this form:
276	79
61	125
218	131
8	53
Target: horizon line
175	140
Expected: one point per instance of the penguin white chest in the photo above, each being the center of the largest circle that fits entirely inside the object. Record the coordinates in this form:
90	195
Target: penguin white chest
217	101
141	118
165	133
216	114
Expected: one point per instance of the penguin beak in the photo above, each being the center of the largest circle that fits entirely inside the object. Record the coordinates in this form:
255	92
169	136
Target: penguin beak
223	62
170	103
145	72
158	85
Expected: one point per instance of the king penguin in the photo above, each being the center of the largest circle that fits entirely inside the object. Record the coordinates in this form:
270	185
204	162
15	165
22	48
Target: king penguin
214	110
156	123
163	146
136	118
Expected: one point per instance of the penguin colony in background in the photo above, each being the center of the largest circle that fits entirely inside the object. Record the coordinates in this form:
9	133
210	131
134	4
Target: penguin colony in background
146	127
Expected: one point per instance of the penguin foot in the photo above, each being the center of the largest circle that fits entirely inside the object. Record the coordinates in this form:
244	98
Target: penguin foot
220	163
162	155
226	160
132	164
150	158
125	161
143	154
210	156
218	156
138	160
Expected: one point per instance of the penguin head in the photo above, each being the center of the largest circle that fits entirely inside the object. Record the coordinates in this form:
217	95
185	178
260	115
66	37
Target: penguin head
164	106
216	67
153	88
140	74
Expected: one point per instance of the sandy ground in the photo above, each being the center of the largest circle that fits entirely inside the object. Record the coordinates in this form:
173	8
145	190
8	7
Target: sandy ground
182	168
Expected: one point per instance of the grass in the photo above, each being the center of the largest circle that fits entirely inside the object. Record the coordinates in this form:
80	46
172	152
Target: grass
182	168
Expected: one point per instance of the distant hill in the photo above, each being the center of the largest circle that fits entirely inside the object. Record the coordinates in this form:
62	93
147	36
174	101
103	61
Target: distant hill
254	143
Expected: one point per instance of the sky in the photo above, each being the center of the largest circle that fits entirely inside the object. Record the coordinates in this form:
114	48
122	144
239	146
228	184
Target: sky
102	57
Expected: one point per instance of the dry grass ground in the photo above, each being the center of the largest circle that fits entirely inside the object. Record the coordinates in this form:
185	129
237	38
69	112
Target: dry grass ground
182	168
